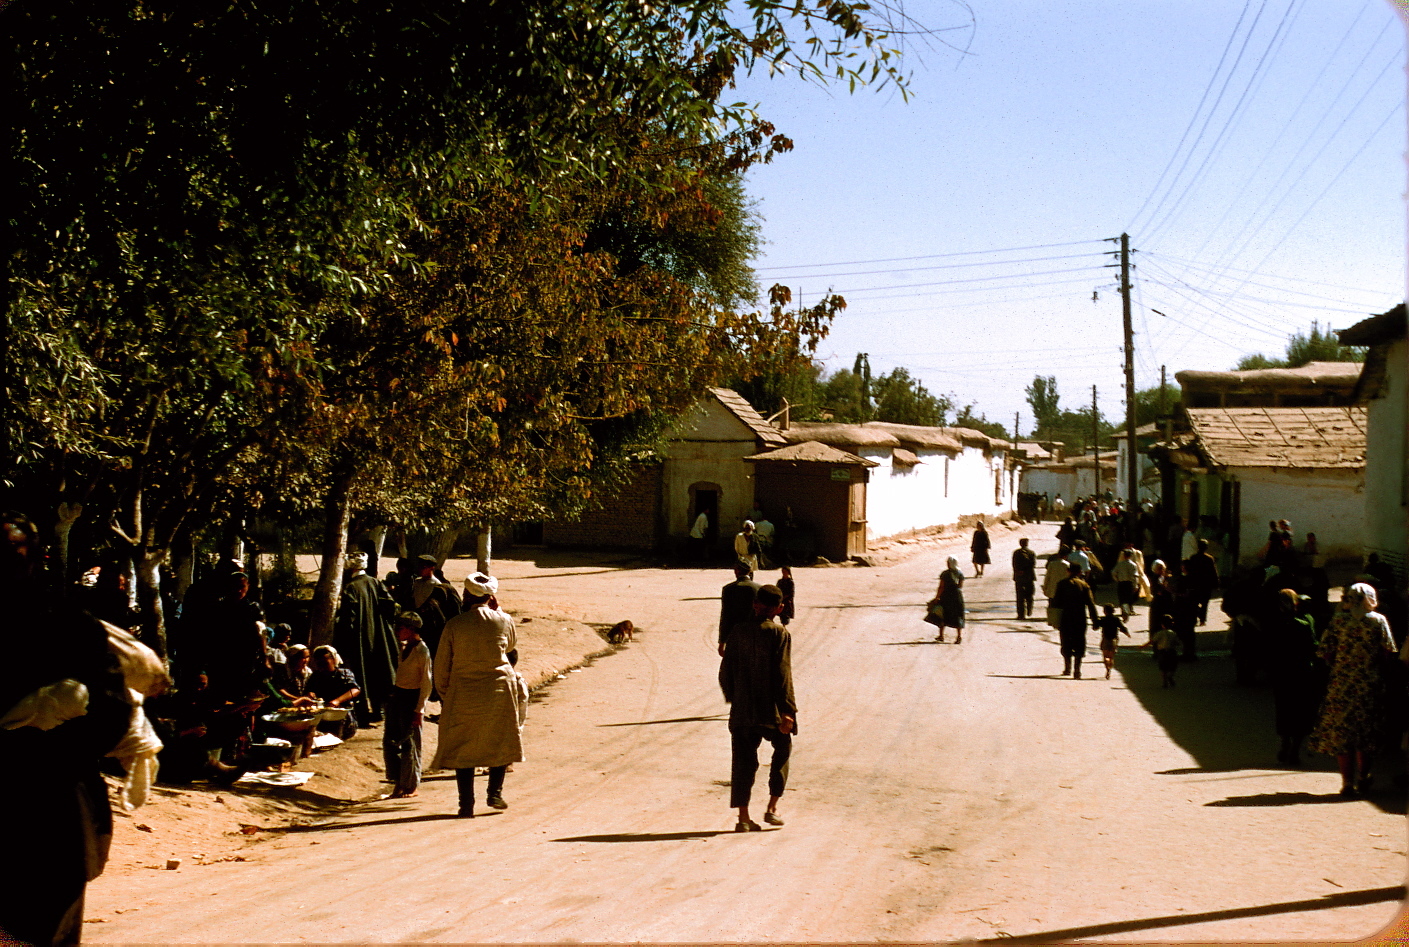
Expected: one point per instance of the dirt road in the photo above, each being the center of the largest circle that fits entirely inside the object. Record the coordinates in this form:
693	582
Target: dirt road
938	792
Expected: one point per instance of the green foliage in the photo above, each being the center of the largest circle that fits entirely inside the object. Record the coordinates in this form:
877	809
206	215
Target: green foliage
1318	345
902	399
978	422
1147	404
1042	397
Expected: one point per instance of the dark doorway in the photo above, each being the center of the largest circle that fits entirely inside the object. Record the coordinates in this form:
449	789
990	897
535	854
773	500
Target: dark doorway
528	534
704	498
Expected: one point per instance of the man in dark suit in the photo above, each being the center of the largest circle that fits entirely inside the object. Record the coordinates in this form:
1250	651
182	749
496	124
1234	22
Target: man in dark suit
736	601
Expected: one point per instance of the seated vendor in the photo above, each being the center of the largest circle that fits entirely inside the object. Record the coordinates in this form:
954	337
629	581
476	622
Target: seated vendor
336	686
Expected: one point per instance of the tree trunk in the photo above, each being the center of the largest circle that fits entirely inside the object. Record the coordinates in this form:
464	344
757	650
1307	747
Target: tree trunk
337	512
150	611
484	550
68	514
444	544
377	537
185	558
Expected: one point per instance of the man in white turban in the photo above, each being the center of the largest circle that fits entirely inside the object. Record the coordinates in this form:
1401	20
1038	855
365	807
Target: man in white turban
482	698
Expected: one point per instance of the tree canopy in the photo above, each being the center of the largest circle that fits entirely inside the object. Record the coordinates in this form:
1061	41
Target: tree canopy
1317	345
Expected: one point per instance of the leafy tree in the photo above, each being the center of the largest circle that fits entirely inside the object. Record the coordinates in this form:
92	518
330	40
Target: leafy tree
1042	397
978	422
1147	404
902	399
1318	345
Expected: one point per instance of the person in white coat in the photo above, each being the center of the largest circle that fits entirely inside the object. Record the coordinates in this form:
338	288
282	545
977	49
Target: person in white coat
482	697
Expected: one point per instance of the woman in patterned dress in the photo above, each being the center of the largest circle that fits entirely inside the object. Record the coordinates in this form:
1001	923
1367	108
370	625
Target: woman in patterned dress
1357	647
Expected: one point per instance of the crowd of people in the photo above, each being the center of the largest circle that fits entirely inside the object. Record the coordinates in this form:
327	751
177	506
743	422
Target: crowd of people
1336	669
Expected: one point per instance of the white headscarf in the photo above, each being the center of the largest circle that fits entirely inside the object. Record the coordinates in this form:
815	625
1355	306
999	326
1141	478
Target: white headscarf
952	562
1368	594
481	584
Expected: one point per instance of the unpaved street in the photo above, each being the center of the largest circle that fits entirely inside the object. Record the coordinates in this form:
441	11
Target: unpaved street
938	792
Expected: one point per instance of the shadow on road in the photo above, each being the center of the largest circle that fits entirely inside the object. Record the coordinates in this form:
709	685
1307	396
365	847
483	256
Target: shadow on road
910	644
647	723
1228	727
653	836
403	820
1276	799
1340	900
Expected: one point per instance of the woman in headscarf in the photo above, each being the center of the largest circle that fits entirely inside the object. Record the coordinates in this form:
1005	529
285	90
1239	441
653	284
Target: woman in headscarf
1357	647
746	545
979	547
951	600
1291	664
336	686
1161	594
482	698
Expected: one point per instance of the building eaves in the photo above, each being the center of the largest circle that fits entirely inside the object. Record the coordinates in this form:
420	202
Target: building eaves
1386	327
738	405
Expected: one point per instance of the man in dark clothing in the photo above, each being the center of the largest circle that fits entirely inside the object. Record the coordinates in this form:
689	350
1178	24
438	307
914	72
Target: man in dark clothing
756	676
1075	600
1201	570
736	601
364	638
1024	578
57	826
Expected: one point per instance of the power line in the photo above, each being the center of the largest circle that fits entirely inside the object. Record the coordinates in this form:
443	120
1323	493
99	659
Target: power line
931	256
945	266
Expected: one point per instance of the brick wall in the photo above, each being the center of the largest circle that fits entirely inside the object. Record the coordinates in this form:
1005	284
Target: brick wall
628	520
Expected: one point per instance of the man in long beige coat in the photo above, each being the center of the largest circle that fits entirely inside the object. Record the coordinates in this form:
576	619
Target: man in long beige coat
482	698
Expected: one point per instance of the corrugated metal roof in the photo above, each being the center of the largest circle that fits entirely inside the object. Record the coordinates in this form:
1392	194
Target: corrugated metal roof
741	409
812	452
1304	438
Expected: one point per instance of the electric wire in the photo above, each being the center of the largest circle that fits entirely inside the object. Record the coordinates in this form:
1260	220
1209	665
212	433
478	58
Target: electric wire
1230	123
931	256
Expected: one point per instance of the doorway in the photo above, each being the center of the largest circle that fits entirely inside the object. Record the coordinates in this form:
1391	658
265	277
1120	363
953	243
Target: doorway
704	498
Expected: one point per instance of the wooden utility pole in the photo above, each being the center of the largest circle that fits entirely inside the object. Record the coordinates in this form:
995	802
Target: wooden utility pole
1095	441
1132	460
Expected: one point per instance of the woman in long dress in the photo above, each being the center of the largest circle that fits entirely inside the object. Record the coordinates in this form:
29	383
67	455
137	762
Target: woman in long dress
1357	648
1291	665
979	547
951	600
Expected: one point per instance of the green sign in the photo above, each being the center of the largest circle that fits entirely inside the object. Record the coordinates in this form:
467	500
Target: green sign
841	473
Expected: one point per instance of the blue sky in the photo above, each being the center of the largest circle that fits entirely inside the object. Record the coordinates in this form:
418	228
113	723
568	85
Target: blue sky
1254	151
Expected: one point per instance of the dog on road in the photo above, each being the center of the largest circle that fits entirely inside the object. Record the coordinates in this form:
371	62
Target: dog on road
621	631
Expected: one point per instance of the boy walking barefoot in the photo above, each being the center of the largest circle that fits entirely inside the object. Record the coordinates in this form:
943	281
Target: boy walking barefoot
1111	626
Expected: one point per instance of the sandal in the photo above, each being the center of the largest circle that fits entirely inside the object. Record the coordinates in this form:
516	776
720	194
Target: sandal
749	826
772	818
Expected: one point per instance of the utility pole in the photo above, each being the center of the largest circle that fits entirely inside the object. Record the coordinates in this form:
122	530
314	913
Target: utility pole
1132	460
1162	408
1016	415
1095	441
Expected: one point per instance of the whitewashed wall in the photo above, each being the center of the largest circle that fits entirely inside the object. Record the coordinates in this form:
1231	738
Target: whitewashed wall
1052	482
1329	503
1148	491
1386	527
938	491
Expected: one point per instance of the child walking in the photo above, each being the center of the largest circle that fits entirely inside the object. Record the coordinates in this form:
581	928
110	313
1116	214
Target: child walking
1166	644
1111	627
401	736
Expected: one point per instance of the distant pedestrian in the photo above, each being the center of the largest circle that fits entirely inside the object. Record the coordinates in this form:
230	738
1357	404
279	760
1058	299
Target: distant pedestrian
401	738
1059	506
746	545
1024	578
1201	572
1076	602
1066	534
699	534
736	601
1161	594
483	698
1111	627
1166	647
950	596
1127	581
789	590
756	677
764	532
979	547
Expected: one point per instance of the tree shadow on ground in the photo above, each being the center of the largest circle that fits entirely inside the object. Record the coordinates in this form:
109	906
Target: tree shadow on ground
647	723
403	820
1227	727
1338	900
